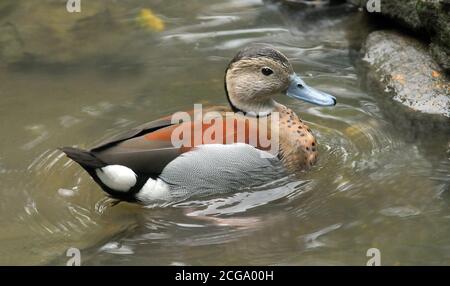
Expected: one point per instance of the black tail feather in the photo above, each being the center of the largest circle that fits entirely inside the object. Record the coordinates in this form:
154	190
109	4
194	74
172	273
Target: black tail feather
85	158
90	163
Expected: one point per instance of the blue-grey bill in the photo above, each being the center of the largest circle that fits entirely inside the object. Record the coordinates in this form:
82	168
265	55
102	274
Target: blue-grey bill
299	90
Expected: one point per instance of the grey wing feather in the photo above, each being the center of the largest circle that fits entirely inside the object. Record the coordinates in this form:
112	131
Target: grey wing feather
219	168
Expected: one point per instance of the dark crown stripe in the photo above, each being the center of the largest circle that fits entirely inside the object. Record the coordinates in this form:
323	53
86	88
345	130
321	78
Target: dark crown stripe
260	50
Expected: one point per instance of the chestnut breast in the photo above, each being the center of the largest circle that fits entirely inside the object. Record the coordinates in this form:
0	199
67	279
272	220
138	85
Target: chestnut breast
298	147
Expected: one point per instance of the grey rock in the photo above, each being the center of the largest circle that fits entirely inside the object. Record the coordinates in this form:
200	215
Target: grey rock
429	18
403	66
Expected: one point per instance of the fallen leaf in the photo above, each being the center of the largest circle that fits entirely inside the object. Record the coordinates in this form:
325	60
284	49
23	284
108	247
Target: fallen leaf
147	19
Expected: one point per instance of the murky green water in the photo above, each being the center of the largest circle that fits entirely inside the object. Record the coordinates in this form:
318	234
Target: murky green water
382	180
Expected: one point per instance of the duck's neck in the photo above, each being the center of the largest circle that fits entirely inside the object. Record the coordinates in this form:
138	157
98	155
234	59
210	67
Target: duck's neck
262	108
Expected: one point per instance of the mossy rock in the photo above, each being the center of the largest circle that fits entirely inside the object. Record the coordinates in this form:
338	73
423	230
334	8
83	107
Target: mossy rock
11	45
7	6
435	19
45	33
429	18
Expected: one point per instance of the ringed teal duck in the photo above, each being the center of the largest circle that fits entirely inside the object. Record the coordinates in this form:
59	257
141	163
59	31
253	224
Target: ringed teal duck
143	165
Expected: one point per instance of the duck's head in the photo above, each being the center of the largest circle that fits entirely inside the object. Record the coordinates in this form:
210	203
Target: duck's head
259	73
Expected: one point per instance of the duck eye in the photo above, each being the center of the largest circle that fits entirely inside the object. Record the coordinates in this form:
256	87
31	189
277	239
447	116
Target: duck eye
266	71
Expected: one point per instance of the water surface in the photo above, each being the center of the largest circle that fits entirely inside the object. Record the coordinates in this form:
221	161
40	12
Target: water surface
379	182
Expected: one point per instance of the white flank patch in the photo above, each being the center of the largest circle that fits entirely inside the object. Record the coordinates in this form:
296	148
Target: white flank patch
153	190
117	177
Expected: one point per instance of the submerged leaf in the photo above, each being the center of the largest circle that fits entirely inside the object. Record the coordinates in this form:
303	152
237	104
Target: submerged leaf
147	19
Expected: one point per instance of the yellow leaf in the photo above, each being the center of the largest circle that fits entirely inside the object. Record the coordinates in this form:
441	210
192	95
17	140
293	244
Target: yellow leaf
147	19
